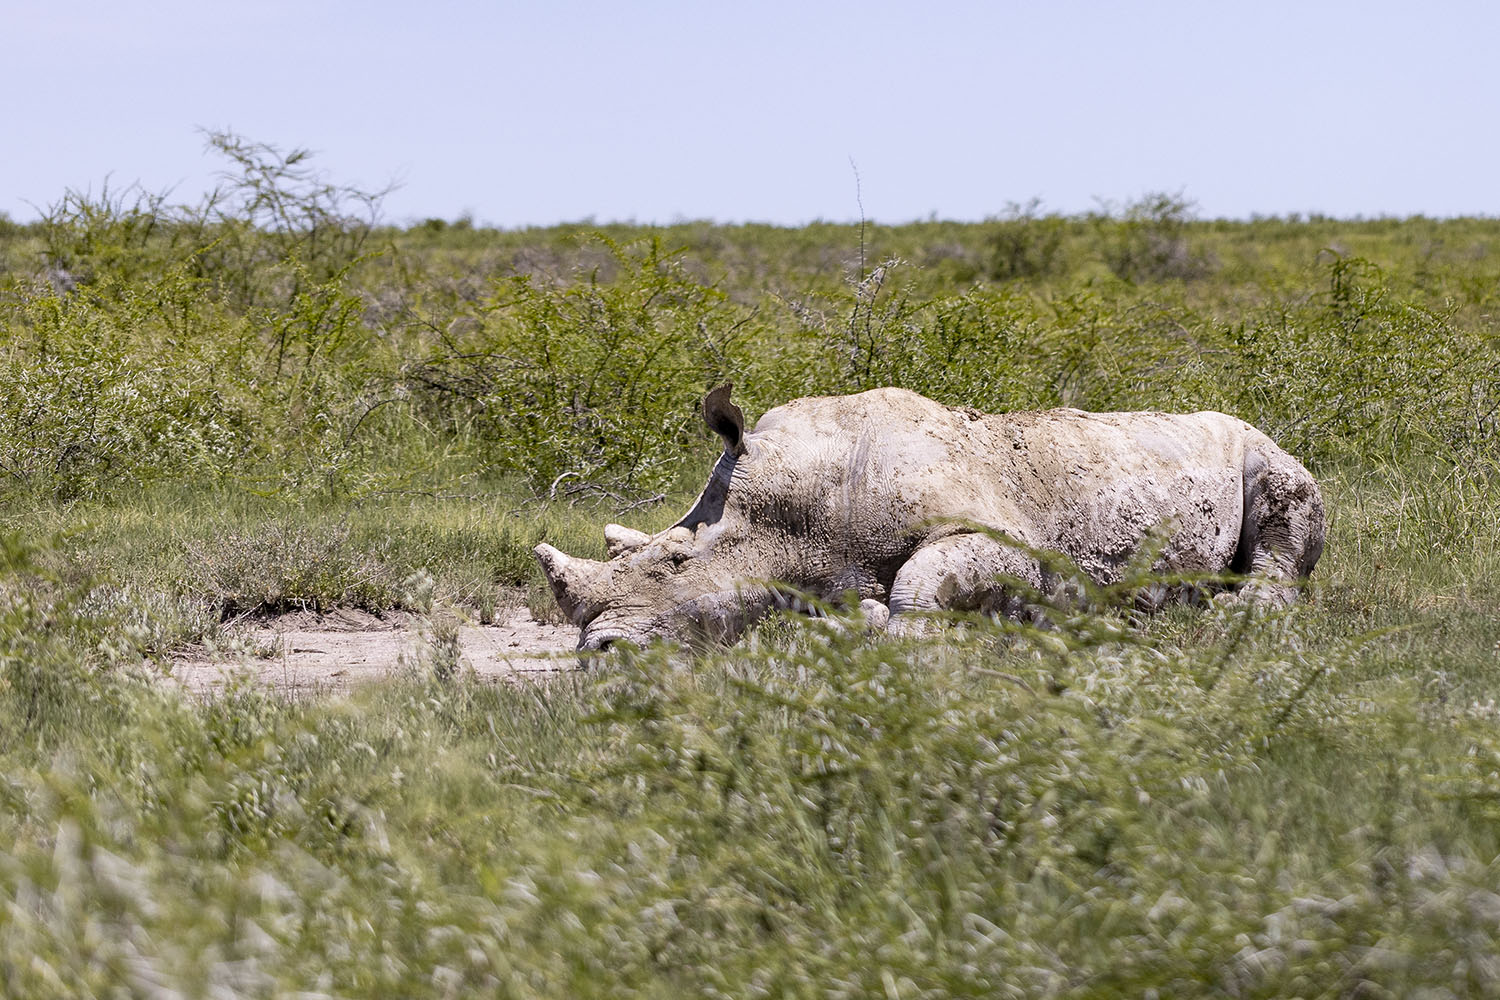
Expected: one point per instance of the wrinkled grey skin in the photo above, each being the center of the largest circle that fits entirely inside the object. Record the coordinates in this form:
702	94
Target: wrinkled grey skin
898	499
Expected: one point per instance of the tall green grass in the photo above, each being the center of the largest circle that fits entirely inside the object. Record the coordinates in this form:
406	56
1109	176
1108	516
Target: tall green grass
1219	804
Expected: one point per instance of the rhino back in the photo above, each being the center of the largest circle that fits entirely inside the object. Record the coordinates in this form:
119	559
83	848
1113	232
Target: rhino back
1097	484
862	481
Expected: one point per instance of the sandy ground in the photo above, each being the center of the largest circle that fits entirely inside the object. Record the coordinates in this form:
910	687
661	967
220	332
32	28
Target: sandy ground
314	653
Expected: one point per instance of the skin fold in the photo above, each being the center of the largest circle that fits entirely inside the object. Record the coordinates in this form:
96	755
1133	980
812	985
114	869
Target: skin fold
912	506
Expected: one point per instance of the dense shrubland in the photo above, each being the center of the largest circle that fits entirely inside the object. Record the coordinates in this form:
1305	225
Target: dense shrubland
269	400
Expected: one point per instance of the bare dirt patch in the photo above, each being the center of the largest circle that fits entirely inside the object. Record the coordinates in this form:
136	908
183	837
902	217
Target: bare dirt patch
314	653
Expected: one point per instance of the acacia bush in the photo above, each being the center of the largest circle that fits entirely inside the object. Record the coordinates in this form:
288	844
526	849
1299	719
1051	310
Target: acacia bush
255	339
273	225
101	394
1024	243
225	340
156	384
589	382
1357	369
1147	240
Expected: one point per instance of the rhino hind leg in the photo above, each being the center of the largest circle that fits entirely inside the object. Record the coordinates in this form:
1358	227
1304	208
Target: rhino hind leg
1281	534
967	572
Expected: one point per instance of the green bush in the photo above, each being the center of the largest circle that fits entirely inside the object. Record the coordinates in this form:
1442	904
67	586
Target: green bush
273	225
589	384
95	401
1026	244
1147	240
1356	369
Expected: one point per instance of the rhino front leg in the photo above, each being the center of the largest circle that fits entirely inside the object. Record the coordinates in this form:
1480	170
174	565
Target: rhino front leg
968	572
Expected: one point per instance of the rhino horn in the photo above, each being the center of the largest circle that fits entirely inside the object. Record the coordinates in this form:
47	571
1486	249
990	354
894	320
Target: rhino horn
576	583
619	539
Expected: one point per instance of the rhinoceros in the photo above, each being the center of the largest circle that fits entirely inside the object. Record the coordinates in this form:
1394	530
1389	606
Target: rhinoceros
914	506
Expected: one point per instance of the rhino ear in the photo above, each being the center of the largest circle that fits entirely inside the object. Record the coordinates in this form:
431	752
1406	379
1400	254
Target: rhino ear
619	539
725	419
576	583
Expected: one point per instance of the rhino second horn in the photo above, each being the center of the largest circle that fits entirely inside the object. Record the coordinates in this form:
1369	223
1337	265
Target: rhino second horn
619	539
574	582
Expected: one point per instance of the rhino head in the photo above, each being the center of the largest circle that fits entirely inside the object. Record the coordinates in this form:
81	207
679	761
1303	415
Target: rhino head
695	580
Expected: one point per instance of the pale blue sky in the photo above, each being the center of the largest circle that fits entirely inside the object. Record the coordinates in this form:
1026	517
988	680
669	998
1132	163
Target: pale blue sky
655	111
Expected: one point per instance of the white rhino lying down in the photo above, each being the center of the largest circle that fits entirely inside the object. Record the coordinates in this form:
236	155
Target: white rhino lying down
900	499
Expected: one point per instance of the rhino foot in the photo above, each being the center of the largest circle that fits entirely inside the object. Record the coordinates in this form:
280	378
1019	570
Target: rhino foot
877	615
